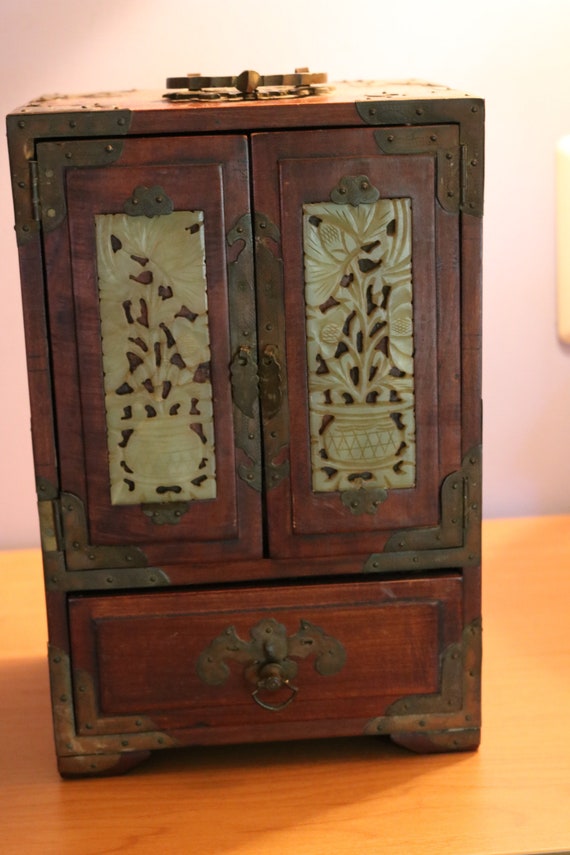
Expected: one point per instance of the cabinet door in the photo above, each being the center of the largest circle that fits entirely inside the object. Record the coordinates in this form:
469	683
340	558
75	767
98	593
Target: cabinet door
142	314
368	355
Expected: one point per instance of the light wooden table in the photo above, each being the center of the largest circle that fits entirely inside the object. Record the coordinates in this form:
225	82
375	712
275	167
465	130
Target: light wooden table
334	797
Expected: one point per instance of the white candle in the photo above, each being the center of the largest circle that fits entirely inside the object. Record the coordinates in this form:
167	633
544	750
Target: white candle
563	236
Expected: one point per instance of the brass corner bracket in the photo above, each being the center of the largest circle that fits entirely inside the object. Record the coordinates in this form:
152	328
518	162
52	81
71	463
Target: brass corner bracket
455	542
457	705
427	127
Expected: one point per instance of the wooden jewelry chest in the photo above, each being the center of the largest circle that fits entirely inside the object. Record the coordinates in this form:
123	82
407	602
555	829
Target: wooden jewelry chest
252	317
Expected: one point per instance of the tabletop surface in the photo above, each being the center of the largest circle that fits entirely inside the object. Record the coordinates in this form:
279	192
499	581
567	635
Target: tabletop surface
329	797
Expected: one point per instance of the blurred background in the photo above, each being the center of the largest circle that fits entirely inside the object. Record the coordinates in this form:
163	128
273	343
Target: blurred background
515	54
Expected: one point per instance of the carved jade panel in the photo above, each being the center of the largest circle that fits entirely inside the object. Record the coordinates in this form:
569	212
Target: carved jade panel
359	322
156	357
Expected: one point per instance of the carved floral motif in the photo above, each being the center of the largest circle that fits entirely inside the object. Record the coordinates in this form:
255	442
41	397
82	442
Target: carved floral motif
358	294
156	357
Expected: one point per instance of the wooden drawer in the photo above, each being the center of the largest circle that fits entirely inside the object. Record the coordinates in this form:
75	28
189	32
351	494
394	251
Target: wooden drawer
258	663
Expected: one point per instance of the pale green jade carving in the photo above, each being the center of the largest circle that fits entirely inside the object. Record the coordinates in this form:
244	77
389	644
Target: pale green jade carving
156	357
359	323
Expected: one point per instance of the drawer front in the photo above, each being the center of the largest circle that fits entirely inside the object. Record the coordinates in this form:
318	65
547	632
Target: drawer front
259	663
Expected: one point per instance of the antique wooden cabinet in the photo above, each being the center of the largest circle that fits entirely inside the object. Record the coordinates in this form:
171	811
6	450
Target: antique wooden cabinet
253	336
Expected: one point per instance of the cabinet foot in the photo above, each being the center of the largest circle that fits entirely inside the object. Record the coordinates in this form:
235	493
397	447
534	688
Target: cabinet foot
434	741
100	764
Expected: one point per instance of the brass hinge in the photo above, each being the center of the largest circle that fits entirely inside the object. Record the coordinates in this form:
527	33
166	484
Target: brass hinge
51	535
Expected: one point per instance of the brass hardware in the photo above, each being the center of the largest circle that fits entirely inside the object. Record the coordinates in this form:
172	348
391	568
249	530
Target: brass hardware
165	513
269	665
270	382
271	678
243	370
80	554
49	525
467	113
72	564
247	85
28	128
457	705
273	376
363	501
355	190
54	158
148	202
244	380
440	140
455	542
111	735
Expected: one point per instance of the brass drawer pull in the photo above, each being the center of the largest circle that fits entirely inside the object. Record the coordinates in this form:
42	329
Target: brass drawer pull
269	658
271	679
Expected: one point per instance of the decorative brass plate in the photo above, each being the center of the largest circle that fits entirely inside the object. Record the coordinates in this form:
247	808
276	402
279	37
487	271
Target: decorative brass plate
269	658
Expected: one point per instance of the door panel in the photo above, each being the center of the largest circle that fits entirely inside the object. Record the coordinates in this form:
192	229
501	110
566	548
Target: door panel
148	408
360	348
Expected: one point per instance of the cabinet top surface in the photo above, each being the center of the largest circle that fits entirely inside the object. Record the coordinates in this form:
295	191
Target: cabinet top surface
333	96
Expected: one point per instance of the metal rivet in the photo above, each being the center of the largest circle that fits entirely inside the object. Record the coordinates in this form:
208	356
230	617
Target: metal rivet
449	155
109	148
51	212
63	698
390	137
268	327
121	121
263	225
109	580
68	155
450	194
419	111
22	184
21	124
474	162
25	227
372	111
73	123
433	138
474	109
